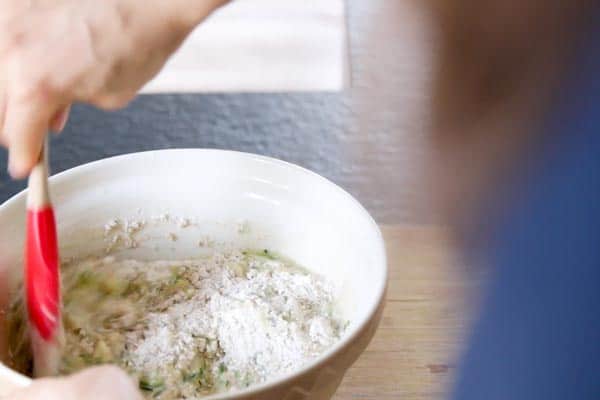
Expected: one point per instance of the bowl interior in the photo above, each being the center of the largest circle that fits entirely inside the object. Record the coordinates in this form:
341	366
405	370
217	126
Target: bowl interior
247	200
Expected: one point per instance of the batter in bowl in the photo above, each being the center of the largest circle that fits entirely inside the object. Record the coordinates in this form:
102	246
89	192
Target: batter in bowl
194	327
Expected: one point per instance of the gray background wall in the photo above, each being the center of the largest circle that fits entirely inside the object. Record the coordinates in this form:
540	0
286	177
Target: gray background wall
369	139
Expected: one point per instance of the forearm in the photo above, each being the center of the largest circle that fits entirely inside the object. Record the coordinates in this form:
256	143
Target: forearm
187	14
161	24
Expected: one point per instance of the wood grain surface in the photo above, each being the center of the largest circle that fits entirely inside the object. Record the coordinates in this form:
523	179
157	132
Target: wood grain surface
413	354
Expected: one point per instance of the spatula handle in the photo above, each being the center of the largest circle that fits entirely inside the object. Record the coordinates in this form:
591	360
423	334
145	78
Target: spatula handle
38	196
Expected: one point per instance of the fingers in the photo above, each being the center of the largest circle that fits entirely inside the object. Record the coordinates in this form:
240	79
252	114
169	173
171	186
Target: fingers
26	123
23	129
101	383
98	383
60	119
3	141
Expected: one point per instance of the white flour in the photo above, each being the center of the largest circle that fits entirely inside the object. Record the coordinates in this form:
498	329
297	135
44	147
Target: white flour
189	328
258	320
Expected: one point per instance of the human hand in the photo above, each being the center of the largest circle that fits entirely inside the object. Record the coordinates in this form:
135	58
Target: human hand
56	52
97	383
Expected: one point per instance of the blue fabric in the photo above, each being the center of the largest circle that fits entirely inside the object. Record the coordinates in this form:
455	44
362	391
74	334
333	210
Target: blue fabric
538	336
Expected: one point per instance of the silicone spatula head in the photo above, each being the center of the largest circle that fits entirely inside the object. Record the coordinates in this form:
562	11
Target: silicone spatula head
41	272
42	280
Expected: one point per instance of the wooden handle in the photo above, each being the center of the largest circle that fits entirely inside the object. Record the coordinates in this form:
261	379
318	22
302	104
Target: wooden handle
47	353
38	196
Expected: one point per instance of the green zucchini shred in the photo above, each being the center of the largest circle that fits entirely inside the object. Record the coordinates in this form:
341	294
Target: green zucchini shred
150	385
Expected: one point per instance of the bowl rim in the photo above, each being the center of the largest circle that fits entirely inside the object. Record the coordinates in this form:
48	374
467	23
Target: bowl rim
317	362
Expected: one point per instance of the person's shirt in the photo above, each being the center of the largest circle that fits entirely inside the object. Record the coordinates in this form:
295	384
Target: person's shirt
538	335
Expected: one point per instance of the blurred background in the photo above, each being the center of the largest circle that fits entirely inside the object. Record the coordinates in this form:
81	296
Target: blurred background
368	138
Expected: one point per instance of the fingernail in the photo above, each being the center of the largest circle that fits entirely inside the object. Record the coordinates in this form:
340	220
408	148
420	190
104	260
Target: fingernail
62	122
62	119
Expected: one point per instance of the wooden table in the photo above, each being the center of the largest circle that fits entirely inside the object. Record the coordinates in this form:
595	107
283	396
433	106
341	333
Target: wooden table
412	356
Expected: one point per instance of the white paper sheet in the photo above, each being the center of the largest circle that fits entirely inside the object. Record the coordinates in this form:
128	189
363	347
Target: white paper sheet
262	46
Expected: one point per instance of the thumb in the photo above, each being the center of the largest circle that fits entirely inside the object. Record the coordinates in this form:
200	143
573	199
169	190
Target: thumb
97	383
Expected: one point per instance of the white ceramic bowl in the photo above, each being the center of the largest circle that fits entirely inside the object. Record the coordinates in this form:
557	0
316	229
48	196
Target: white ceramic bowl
287	208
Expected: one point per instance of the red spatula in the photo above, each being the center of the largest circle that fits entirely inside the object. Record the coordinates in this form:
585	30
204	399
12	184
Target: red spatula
42	280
